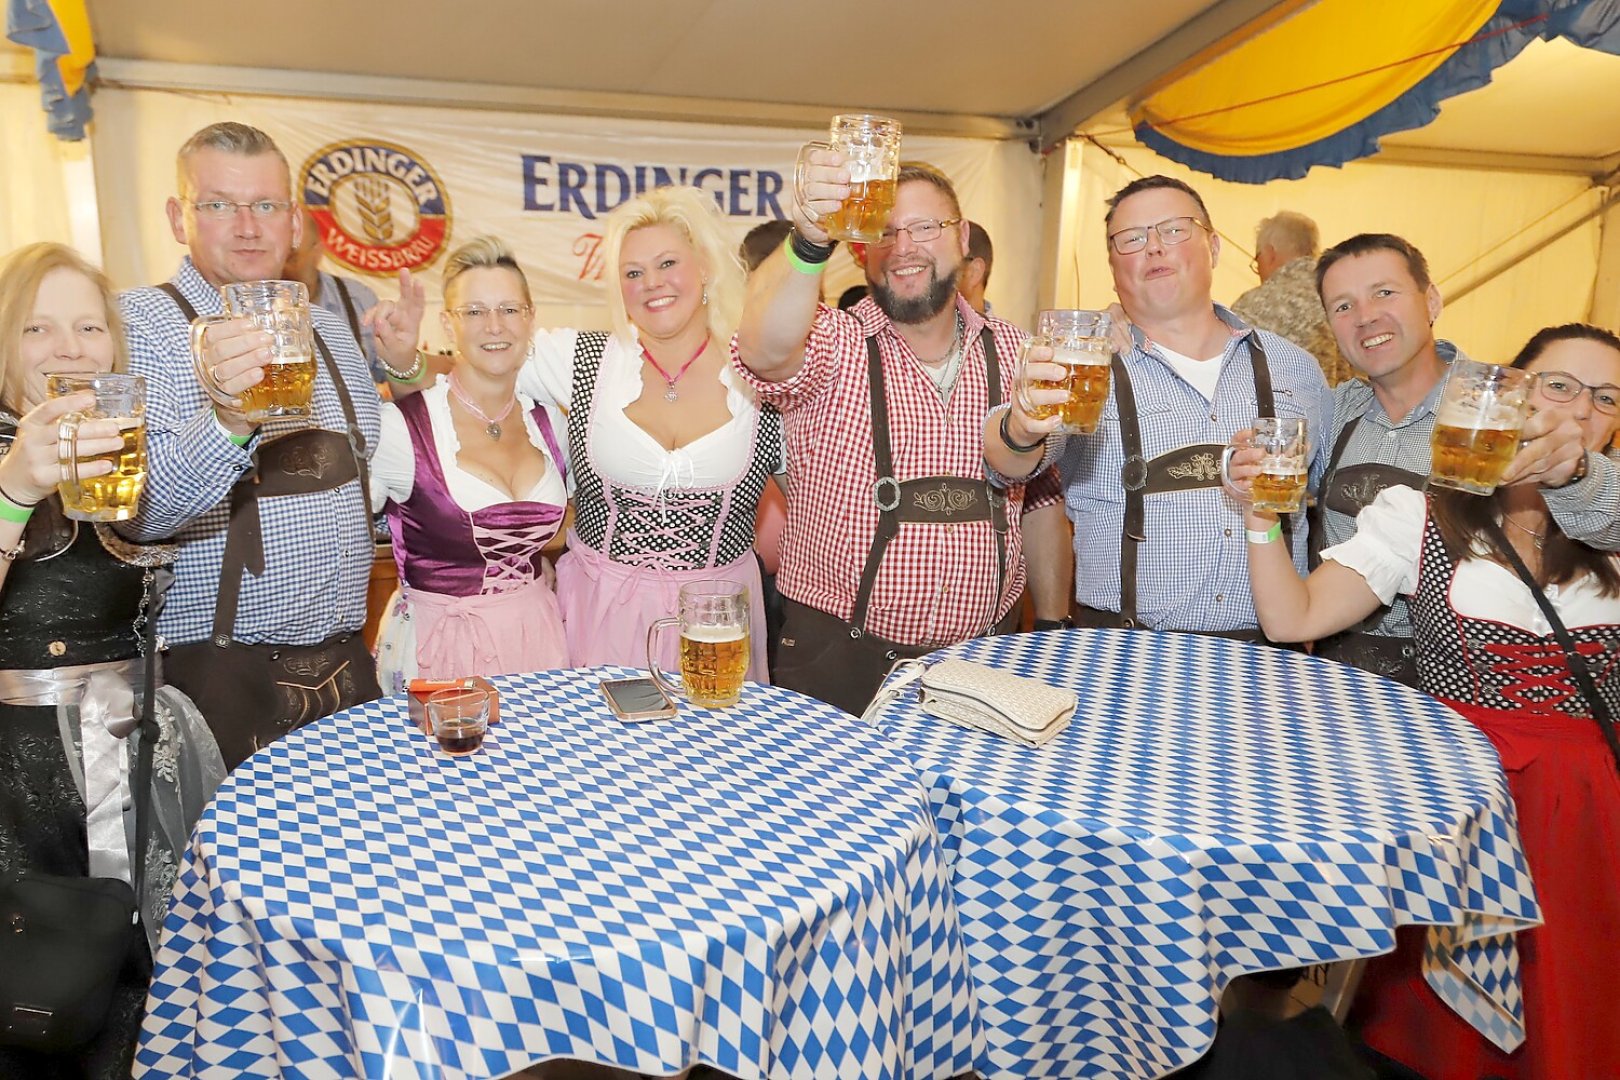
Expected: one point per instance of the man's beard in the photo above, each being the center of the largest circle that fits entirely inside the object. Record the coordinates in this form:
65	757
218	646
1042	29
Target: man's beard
941	293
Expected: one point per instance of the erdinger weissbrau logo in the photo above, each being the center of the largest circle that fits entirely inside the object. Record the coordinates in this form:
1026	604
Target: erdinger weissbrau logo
380	207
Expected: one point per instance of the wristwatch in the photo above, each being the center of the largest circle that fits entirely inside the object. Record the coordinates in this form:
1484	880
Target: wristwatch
1065	623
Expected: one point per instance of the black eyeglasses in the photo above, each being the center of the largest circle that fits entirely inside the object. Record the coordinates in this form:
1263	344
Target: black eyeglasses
920	231
1172	231
1562	386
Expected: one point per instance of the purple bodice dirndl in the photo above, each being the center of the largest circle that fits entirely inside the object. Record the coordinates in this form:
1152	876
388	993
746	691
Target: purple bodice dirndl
441	548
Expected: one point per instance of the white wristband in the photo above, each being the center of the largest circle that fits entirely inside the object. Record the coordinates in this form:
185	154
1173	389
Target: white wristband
1266	537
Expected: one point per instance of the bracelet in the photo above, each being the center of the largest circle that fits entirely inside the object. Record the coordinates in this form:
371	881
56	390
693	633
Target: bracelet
1576	477
806	256
1257	537
13	511
1017	447
418	369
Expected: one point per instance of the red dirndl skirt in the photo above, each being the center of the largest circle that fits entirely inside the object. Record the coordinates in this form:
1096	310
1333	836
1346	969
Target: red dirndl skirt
1567	789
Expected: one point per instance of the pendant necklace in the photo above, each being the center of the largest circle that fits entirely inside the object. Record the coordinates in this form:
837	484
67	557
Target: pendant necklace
1535	538
492	424
669	394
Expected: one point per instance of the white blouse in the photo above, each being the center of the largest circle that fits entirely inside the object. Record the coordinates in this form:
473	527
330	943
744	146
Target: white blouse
621	451
393	465
1387	549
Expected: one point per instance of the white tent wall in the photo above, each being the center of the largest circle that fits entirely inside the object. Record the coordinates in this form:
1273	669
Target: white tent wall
46	187
1456	216
479	156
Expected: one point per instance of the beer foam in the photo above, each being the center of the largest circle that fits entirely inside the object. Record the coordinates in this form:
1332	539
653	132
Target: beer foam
1477	414
714	635
1283	465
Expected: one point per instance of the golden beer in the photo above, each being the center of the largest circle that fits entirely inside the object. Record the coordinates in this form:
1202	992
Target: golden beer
285	389
1086	381
1471	459
1279	488
117	495
714	660
862	216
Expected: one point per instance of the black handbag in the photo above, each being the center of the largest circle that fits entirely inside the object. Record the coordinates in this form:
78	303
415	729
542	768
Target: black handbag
64	940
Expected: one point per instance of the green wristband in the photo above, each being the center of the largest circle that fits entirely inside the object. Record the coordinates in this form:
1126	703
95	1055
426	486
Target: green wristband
14	512
798	263
1271	535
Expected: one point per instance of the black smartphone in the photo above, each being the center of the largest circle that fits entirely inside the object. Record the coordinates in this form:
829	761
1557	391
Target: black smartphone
634	700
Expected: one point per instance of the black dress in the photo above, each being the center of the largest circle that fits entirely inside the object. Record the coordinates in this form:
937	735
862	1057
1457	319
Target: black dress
76	607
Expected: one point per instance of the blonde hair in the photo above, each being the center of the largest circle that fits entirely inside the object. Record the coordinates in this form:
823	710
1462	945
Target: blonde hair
228	137
694	214
482	253
21	274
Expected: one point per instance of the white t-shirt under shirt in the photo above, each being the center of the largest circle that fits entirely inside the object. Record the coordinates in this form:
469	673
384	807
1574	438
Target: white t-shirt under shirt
1202	375
1387	550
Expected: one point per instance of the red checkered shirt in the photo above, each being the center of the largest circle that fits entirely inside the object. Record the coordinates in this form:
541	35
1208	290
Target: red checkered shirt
937	582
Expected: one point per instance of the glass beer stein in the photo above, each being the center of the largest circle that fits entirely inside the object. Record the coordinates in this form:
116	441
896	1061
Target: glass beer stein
1079	343
1476	427
713	621
1279	488
280	309
871	149
115	496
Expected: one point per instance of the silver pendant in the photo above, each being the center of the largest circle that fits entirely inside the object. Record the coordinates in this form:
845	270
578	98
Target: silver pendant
670	395
493	430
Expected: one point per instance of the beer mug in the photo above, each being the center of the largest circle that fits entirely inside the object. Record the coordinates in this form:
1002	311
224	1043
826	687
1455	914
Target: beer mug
1280	486
713	622
1476	427
117	495
871	149
280	309
1079	343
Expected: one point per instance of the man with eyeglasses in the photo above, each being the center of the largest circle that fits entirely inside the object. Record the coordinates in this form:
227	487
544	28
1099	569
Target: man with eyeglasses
895	544
262	625
1285	301
1157	542
1382	305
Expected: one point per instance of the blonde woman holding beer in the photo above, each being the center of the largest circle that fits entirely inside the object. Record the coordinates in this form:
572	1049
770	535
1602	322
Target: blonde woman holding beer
471	474
669	448
73	598
1486	647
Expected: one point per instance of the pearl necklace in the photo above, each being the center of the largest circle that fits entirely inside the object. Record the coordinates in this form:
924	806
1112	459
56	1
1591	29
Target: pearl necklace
492	424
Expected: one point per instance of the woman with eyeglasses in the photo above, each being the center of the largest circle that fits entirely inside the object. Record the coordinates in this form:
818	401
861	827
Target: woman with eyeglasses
670	451
1471	567
472	476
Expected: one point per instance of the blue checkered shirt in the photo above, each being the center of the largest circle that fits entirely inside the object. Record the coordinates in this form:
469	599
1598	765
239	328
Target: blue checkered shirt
1192	570
318	548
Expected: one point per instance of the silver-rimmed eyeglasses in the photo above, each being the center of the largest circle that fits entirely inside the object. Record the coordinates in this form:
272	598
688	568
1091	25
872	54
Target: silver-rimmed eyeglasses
1562	386
920	231
480	312
224	208
1172	231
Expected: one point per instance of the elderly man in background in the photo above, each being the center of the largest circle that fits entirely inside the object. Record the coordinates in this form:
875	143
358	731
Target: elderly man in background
1285	302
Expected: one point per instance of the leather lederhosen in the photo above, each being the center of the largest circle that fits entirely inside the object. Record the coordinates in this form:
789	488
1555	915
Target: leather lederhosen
1349	491
839	662
1186	468
253	694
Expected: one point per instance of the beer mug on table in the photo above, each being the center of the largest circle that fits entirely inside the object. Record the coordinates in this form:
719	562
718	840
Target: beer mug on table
115	496
1285	444
1079	343
871	149
280	309
713	622
1476	427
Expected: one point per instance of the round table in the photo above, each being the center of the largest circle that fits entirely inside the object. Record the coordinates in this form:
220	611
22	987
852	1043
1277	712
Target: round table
759	889
1214	808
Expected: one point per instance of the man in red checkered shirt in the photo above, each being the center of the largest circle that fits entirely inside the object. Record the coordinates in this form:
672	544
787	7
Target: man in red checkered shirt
895	543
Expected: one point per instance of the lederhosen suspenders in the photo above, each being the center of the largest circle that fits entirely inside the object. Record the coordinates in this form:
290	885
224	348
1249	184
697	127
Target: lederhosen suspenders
1184	469
935	499
298	463
352	312
1351	492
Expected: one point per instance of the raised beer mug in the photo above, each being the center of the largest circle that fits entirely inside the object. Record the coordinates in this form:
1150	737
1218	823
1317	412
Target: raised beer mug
713	621
1476	427
871	149
1279	488
280	309
1079	343
115	496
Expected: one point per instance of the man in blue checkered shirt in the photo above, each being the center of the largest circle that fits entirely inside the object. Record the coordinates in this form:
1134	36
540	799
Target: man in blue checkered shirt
262	625
1158	543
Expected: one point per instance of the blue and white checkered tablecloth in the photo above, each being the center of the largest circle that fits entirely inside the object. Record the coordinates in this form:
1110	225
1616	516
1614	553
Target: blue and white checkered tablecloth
1214	809
759	889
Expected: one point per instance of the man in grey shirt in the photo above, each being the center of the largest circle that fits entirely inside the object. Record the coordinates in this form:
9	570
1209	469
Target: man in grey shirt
1381	305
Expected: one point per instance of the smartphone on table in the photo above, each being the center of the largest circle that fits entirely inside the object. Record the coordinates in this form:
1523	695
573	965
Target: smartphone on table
634	700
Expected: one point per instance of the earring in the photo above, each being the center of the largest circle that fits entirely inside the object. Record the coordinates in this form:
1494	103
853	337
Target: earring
705	293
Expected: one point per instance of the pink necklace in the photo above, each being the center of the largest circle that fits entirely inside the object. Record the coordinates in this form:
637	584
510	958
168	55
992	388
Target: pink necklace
492	424
670	395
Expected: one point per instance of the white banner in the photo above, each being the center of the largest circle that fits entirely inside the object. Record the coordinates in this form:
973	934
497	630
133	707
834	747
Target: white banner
400	185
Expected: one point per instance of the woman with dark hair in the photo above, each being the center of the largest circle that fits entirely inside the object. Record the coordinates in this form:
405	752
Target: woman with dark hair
1472	567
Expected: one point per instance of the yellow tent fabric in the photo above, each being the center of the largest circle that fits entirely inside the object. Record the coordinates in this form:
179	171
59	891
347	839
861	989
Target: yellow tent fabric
74	19
1311	76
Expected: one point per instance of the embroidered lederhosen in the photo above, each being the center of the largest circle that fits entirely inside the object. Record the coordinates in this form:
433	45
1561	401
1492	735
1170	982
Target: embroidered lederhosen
253	694
1349	491
839	662
1186	468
